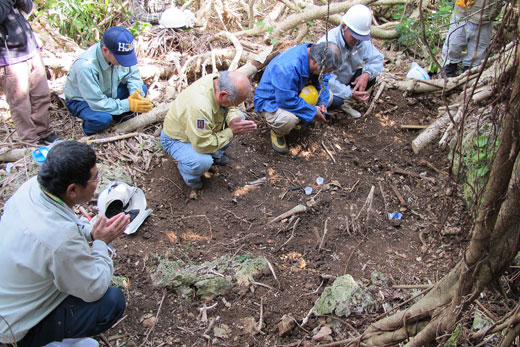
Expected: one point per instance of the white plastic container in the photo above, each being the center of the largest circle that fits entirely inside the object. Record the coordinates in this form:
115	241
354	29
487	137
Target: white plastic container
417	72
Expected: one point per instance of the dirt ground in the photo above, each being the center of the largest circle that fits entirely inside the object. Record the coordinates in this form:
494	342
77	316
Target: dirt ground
369	170
342	231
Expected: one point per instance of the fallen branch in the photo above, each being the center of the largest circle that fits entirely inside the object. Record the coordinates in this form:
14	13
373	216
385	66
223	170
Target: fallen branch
403	202
433	167
368	203
413	127
239	49
324	233
271	268
156	115
296	209
14	154
210	325
373	103
410	173
291	237
412	286
261	319
88	140
328	152
156	320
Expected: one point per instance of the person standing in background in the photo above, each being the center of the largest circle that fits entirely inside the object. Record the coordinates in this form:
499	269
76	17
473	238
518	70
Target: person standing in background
22	76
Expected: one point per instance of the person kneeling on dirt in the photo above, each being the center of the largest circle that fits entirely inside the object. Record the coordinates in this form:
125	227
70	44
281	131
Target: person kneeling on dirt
104	83
54	287
279	96
350	82
202	121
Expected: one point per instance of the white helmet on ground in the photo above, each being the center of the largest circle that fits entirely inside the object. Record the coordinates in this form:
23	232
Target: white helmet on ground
358	19
119	197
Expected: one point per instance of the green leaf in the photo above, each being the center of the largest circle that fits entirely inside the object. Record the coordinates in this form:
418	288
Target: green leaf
481	172
481	141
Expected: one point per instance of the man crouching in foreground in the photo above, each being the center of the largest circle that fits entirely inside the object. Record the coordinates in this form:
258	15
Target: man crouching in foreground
54	287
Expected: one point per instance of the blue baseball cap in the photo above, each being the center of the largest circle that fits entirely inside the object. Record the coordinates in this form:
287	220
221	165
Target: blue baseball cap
120	42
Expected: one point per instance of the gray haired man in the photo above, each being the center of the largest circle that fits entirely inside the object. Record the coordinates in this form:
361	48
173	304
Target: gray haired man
202	122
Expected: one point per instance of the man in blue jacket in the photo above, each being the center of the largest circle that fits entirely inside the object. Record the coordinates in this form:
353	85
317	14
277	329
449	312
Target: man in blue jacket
277	95
361	61
22	75
104	83
54	285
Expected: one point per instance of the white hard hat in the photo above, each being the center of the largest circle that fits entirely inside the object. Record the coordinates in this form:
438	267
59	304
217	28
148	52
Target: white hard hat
358	19
176	18
119	197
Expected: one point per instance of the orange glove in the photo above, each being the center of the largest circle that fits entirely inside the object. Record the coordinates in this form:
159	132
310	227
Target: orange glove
140	106
465	3
136	95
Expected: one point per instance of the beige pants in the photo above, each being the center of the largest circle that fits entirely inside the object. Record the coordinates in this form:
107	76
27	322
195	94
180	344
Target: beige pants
282	121
27	93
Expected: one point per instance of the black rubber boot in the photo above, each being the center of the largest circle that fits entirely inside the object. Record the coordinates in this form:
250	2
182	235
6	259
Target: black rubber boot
450	69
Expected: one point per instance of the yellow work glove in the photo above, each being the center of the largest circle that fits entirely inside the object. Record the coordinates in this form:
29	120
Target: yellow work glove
465	3
140	106
136	95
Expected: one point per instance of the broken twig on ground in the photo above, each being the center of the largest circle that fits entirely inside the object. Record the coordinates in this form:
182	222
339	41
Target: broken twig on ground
328	152
324	233
404	204
296	209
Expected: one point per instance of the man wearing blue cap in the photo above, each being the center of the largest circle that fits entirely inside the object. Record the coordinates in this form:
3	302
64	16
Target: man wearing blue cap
104	83
361	60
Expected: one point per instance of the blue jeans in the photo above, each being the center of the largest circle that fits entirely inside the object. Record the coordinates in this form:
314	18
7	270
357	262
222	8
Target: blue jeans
191	164
75	318
337	101
97	121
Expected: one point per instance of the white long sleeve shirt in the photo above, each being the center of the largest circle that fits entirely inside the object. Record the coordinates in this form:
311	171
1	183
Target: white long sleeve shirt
44	257
364	55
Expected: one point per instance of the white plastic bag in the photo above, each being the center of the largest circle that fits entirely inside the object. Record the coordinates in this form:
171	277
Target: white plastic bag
417	72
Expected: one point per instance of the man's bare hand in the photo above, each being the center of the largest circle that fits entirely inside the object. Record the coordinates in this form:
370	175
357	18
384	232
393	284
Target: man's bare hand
108	230
240	127
360	83
320	117
359	96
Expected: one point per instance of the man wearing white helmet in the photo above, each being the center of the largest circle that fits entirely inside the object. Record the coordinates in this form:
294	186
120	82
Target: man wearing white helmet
361	60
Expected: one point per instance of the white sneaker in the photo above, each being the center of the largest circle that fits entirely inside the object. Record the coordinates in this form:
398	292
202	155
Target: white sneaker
350	111
80	342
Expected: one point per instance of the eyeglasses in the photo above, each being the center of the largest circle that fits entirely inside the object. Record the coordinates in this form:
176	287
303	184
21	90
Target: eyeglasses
99	177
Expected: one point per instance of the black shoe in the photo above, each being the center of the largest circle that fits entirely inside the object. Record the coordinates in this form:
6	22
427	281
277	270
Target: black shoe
49	139
120	118
465	68
451	69
222	160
